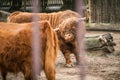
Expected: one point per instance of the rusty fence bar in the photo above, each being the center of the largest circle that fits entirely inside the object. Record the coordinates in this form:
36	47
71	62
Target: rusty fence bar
36	41
80	40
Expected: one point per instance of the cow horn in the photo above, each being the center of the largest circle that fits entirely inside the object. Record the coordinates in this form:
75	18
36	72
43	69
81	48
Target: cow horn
56	29
82	19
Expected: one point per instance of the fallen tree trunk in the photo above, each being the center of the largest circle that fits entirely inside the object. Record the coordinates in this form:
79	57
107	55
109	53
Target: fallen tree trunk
103	42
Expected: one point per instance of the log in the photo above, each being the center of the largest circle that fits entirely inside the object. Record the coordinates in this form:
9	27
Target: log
92	42
103	42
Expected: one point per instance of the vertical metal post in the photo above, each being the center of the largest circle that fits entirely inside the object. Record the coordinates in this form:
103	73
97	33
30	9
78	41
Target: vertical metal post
80	40
36	41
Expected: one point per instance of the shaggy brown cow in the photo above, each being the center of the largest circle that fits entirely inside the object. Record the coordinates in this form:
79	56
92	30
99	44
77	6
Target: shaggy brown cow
66	20
16	47
67	32
55	18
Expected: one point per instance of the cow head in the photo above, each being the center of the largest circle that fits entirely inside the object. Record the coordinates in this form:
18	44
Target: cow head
67	29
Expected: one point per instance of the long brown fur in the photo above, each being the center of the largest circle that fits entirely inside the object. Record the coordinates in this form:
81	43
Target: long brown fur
63	19
16	47
55	18
67	39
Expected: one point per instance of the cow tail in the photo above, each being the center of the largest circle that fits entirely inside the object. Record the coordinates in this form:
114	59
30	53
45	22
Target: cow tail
51	52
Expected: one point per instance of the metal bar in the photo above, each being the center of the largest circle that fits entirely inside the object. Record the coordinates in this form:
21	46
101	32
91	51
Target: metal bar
36	41
80	40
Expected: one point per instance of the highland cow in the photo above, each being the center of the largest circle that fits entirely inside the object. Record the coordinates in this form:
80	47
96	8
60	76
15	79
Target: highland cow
67	33
55	18
16	49
65	20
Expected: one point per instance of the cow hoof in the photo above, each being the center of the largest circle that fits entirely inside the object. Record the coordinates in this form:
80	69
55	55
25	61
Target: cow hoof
69	65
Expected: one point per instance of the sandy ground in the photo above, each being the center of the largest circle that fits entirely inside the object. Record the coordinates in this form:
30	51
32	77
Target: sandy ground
98	66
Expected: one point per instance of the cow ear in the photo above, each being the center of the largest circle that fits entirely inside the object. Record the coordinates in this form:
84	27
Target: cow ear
44	25
57	30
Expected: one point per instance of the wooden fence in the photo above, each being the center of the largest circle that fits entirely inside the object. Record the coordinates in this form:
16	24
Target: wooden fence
45	5
105	11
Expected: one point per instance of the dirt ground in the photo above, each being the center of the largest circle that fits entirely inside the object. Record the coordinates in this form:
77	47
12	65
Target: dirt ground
98	66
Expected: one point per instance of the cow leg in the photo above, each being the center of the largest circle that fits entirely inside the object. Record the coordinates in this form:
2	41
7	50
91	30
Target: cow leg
77	58
68	61
26	69
4	74
28	75
28	78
